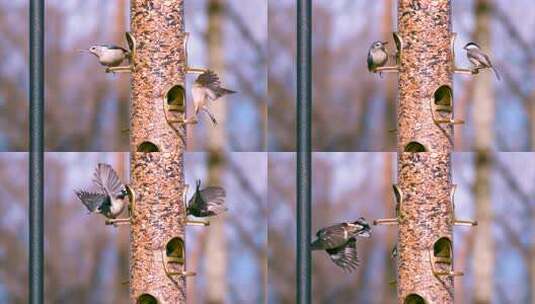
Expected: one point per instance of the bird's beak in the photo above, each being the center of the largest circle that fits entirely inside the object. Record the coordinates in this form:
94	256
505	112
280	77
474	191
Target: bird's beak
83	51
385	42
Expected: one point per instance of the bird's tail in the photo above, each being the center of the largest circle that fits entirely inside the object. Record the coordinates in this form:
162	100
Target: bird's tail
496	73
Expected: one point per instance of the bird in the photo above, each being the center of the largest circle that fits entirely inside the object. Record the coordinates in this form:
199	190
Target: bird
377	55
340	242
207	87
206	202
109	55
479	59
111	198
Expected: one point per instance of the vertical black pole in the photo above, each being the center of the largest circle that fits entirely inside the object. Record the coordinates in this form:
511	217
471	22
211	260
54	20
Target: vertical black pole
304	167
36	151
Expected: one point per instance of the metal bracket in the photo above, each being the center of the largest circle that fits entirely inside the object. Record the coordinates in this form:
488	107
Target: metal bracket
433	260
171	260
398	194
190	70
456	221
131	41
131	209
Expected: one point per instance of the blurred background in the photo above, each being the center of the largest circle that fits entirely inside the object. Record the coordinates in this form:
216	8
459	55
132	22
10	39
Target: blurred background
88	110
353	110
88	261
346	186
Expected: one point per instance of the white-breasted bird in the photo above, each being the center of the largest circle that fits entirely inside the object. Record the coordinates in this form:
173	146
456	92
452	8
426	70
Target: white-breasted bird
377	55
340	242
111	198
207	87
109	55
479	59
206	202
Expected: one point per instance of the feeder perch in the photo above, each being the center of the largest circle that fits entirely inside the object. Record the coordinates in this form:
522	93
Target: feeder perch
398	194
454	65
131	209
442	254
131	41
455	220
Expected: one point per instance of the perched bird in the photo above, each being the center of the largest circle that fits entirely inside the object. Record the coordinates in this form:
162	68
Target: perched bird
109	55
479	59
206	202
340	242
377	55
207	87
111	199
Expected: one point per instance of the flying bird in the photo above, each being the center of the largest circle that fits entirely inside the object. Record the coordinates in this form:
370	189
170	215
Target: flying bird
111	197
206	202
340	242
109	55
377	55
207	87
479	59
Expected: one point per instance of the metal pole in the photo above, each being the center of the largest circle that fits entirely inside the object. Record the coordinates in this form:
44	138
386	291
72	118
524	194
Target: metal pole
304	167
36	151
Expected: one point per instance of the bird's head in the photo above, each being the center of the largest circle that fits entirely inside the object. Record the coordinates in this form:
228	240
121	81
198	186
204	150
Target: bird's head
96	50
471	46
379	44
362	227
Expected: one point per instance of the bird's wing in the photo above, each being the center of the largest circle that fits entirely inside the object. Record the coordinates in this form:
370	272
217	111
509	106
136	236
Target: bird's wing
213	196
370	61
115	47
106	179
91	200
346	256
211	81
331	237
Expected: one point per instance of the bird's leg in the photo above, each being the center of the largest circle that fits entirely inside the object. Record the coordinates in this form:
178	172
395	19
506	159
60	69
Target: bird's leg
212	118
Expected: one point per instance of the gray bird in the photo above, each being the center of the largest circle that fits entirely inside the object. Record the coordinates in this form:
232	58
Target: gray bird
340	242
111	198
479	59
109	55
377	55
206	202
207	87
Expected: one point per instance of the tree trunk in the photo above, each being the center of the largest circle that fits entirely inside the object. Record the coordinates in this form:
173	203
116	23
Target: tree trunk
157	177
425	220
483	102
216	243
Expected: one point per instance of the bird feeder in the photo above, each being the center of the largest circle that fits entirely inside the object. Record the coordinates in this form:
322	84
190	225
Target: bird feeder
414	299
441	258
442	106
147	147
414	147
146	299
452	206
173	256
398	194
